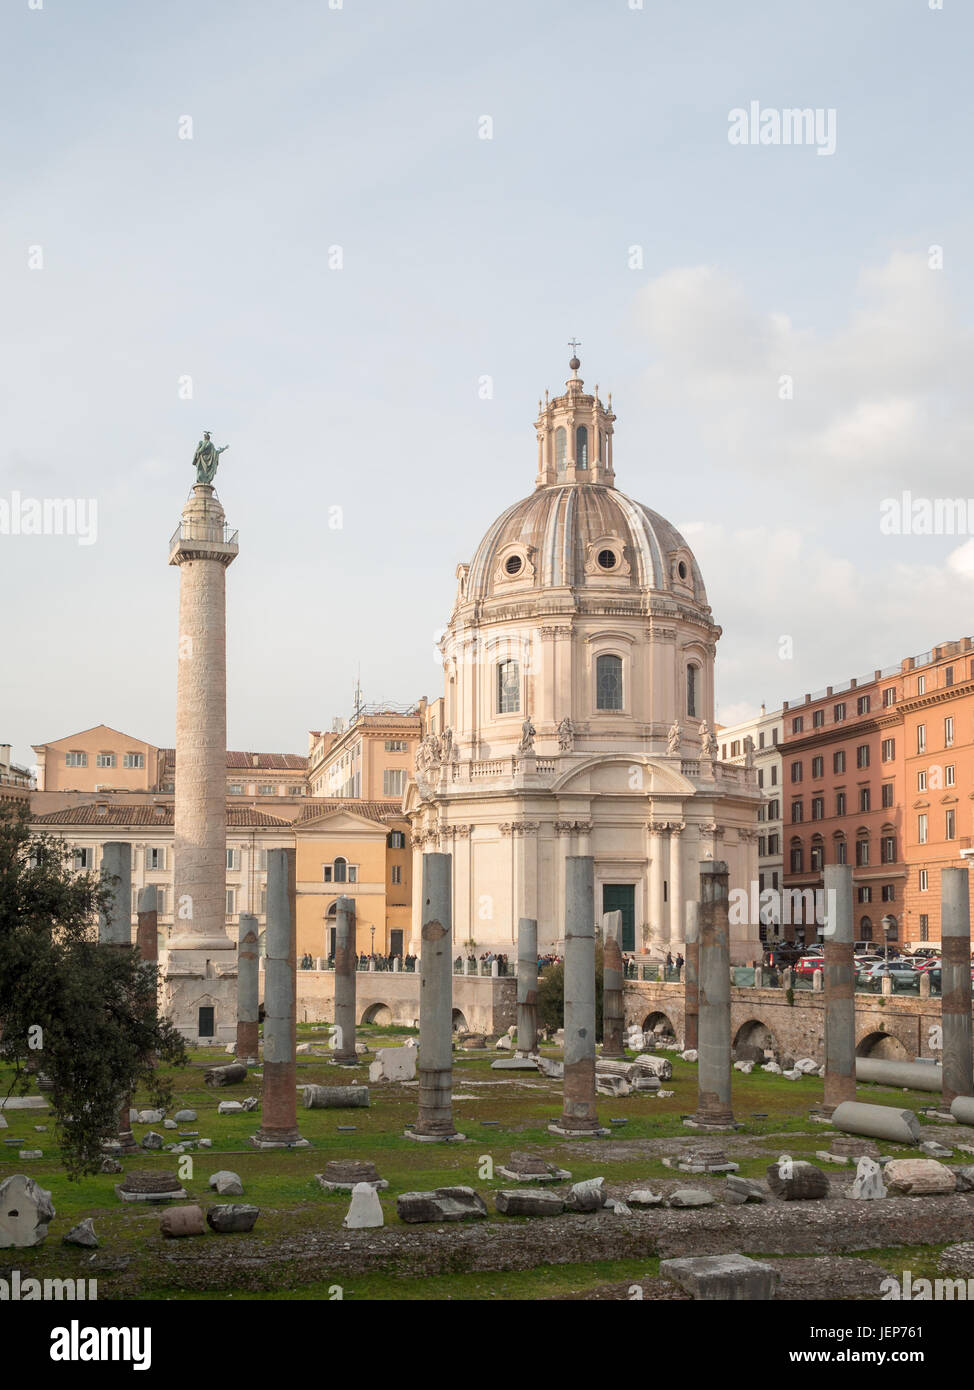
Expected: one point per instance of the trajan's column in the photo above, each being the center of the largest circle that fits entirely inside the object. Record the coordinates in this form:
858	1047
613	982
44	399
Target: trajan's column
200	968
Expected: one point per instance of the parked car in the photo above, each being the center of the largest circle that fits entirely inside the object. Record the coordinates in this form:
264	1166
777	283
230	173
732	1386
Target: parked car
901	973
928	951
926	963
806	966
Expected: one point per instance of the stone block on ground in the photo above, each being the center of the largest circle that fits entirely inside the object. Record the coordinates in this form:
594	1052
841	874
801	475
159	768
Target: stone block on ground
528	1167
661	1067
183	1221
152	1140
586	1196
335	1097
184	1117
231	1217
83	1234
343	1174
442	1204
794	1180
613	1086
932	1149
645	1197
26	1211
727	1278
365	1208
918	1177
394	1064
690	1055
690	1197
150	1117
868	1184
227	1183
229	1107
551	1068
528	1202
744	1190
226	1076
964	1177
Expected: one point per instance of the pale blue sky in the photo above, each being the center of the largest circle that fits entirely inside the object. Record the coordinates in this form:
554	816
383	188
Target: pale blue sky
466	257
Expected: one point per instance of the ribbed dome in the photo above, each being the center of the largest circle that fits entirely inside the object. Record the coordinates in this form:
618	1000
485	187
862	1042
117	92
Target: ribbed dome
558	530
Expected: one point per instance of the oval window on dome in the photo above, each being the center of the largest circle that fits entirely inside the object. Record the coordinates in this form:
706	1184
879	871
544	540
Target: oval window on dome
681	569
513	564
607	559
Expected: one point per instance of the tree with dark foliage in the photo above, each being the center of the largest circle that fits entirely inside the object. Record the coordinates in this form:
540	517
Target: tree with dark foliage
83	1014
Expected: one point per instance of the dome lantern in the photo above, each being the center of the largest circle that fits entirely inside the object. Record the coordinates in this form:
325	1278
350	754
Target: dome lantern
574	434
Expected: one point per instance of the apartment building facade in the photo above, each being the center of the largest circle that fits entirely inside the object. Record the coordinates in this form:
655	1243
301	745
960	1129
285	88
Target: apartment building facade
765	732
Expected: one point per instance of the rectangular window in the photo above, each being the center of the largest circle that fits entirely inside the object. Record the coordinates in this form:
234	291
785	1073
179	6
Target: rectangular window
762	847
862	704
133	760
949	731
818	808
864	894
396	745
796	772
924	880
267	789
760	776
397	873
949	775
326	873
889	893
774	732
838	761
924	927
863	798
921	685
862	755
888	750
774	775
887	849
231	901
262	861
735	747
84	859
761	739
889	696
840	803
508	687
818	767
393	781
235	789
948	675
76	759
796	860
949	823
796	812
921	830
818	718
233	862
397	839
773	843
353	873
921	781
887	799
816	857
841	853
774	809
838	713
862	853
155	858
797	725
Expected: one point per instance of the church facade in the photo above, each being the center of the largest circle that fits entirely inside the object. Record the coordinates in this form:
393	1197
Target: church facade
578	713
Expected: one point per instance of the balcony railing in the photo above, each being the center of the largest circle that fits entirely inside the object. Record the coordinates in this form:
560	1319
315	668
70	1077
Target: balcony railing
200	531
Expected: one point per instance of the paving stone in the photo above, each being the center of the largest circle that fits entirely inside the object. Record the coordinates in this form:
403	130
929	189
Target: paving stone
722	1277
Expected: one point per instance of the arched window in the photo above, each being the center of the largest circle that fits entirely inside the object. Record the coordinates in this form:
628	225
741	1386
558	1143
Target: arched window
865	929
581	447
608	682
693	697
341	870
561	438
508	687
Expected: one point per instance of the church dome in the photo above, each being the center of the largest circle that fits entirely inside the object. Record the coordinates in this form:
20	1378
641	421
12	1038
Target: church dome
577	530
582	535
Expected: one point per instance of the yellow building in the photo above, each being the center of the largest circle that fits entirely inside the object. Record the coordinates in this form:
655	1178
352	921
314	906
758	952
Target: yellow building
371	756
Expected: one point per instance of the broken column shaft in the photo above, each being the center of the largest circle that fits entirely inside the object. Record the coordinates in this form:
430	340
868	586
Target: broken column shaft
248	989
955	941
840	999
435	1066
346	960
714	1042
691	975
279	1107
527	987
613	1042
579	1117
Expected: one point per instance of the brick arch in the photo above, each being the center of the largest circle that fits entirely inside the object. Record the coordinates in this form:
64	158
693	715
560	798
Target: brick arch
885	1045
657	1016
755	1033
460	1024
377	1013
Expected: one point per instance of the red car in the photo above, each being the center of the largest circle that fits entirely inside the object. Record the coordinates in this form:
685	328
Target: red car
807	966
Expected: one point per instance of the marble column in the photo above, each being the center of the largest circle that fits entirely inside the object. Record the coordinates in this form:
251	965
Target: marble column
676	924
657	940
527	987
346	960
248	989
840	998
955	941
613	1020
435	1066
691	977
147	931
279	1112
714	1045
579	1118
115	921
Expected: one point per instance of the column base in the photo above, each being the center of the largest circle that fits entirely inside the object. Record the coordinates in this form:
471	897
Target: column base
514	1064
126	1143
453	1138
558	1129
260	1140
712	1126
355	1059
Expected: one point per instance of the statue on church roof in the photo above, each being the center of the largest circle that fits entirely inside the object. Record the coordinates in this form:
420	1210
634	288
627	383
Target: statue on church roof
528	732
674	737
207	458
566	735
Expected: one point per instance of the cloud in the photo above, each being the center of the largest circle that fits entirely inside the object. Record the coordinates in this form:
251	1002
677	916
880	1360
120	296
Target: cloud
882	400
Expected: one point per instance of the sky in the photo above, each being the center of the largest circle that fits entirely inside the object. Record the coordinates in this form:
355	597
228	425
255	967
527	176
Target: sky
353	241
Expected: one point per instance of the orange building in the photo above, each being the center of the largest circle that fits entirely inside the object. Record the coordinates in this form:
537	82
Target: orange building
878	773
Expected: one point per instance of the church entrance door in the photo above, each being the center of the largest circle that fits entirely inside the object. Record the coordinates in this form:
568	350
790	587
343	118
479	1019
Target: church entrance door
621	897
